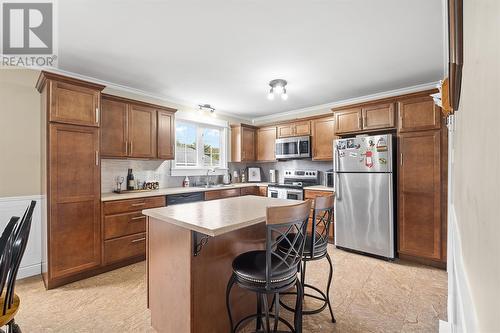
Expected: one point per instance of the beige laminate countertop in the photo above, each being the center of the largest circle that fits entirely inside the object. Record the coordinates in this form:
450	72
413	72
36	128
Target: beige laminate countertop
172	190
319	188
217	217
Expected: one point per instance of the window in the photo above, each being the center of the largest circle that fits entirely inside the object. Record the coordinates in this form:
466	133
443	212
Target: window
199	146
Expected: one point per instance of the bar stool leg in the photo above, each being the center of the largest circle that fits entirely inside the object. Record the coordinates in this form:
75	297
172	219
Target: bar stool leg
277	312
303	277
266	309
258	324
330	275
298	308
228	292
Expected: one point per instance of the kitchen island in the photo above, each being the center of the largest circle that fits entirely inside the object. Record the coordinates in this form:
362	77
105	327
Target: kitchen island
190	249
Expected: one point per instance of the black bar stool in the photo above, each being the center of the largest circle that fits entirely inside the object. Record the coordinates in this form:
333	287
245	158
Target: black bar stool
316	249
272	271
12	245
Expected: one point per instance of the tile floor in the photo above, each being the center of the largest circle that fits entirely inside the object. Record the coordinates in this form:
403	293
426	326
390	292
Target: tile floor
369	295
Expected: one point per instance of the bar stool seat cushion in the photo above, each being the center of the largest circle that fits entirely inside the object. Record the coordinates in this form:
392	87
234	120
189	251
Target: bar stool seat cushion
319	249
250	268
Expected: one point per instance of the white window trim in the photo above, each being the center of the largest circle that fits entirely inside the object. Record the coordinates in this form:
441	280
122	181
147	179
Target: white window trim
197	170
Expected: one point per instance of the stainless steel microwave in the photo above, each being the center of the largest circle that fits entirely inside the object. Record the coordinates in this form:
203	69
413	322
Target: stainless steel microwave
294	147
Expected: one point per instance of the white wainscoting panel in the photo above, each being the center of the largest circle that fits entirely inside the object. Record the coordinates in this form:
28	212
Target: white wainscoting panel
15	206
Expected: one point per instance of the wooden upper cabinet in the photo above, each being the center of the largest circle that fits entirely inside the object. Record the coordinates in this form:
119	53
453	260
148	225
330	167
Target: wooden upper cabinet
300	128
75	198
114	133
243	139
72	101
348	121
248	144
266	144
136	129
285	130
142	131
166	135
418	114
322	138
378	116
419	216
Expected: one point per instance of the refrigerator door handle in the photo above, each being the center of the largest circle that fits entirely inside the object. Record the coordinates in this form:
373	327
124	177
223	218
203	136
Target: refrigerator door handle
336	166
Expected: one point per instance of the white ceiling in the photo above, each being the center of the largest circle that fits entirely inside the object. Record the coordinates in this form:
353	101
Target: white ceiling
224	52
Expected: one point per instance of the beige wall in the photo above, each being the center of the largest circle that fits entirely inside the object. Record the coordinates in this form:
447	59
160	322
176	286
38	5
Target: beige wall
20	138
19	133
476	166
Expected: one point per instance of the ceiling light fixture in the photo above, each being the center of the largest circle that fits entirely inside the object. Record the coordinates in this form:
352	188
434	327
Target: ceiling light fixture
278	87
207	107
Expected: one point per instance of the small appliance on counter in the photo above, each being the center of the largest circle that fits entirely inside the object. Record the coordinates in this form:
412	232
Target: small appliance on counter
293	186
226	178
329	179
254	174
273	176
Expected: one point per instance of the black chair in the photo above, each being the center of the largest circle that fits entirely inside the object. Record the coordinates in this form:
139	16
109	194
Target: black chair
271	271
316	249
13	243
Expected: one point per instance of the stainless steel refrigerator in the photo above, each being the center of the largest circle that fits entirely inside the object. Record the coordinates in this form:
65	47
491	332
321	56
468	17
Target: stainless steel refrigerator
364	214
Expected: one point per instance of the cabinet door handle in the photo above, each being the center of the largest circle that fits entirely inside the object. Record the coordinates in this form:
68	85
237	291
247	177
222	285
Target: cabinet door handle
138	218
401	158
138	240
96	157
359	123
126	147
97	115
138	204
130	150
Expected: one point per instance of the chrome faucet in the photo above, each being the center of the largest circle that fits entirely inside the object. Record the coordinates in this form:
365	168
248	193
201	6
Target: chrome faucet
208	177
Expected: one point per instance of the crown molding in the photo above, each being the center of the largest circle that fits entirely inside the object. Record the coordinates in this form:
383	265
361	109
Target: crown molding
317	109
172	102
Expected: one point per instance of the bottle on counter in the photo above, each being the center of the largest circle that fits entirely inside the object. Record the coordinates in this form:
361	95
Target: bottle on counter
185	183
130	180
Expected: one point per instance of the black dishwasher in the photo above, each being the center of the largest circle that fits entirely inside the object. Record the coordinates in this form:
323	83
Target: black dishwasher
175	199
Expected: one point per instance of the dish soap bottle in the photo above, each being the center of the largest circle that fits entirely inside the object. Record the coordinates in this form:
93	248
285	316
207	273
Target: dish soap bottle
185	183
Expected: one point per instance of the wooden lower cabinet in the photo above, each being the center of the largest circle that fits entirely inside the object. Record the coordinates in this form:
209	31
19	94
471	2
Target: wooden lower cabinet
263	191
420	220
73	238
312	194
124	229
251	190
221	194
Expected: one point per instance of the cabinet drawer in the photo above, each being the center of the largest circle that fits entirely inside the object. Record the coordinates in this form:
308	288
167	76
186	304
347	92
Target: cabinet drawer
131	205
212	195
311	194
252	190
124	247
124	224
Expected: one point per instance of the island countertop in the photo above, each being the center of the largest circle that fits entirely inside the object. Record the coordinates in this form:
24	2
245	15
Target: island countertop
217	217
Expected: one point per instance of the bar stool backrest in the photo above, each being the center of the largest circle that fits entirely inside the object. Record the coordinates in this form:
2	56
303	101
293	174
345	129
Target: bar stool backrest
21	234
321	222
6	241
285	224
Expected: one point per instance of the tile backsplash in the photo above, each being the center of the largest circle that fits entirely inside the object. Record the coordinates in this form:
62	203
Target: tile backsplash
146	170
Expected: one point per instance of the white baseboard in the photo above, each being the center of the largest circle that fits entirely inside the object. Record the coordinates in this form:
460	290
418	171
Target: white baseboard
461	310
444	327
15	206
